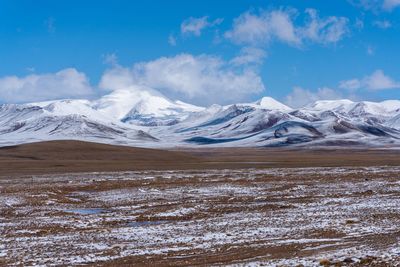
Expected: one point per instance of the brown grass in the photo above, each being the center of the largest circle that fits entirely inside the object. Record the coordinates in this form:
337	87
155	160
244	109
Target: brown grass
76	156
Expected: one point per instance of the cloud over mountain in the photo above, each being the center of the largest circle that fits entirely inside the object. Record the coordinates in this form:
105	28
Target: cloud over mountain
378	80
205	78
66	83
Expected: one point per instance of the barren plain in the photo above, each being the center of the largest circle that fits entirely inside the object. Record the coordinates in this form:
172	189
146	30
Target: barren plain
114	206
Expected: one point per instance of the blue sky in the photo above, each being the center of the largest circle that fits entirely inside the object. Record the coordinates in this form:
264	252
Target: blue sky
202	52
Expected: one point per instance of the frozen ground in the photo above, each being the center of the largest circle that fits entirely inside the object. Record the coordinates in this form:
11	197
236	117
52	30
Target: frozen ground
272	217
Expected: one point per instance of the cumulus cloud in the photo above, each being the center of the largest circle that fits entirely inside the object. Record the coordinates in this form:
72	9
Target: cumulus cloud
254	29
300	97
249	55
378	80
324	30
195	26
390	4
205	79
261	28
67	83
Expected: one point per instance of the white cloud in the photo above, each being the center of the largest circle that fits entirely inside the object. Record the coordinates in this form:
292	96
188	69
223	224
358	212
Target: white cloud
172	40
379	81
249	55
352	84
376	81
389	5
255	29
282	27
67	83
110	59
324	30
260	29
300	97
383	24
196	25
205	79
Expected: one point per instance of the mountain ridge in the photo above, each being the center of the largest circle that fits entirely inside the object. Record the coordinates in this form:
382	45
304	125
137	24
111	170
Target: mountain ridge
140	116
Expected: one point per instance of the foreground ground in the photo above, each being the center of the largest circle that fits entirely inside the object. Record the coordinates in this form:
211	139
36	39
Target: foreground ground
211	212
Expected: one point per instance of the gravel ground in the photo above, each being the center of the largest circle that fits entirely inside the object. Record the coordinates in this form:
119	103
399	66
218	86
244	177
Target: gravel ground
346	216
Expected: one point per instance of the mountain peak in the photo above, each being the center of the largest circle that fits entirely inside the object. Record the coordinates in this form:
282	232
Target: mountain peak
270	103
330	104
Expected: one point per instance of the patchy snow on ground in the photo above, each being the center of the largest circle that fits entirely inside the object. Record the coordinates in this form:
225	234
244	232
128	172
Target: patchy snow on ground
235	217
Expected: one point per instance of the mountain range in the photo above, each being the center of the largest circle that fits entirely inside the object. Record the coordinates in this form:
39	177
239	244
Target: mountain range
140	116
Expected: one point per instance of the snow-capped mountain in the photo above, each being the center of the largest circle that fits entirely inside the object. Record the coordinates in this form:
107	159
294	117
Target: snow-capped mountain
64	119
271	104
140	116
143	106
